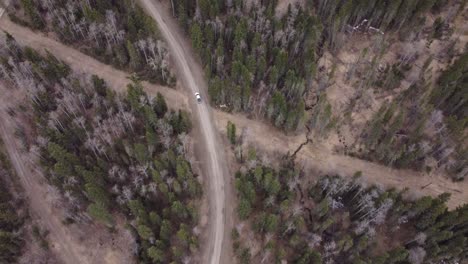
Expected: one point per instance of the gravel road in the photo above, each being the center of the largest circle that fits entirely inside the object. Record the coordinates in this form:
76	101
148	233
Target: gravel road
192	78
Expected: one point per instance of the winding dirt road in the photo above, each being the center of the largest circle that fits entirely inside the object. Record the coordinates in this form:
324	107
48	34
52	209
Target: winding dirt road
192	78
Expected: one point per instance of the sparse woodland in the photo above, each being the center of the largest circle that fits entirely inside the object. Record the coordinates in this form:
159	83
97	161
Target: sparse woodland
108	154
337	220
268	66
115	32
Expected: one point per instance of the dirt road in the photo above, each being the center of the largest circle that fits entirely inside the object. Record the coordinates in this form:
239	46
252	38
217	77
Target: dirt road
319	158
192	79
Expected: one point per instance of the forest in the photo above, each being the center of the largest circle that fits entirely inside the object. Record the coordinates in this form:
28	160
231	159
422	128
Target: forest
109	155
265	65
116	32
286	218
392	76
12	214
261	64
270	65
422	124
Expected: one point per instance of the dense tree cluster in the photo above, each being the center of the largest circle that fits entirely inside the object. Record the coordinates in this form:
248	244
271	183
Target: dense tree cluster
341	221
422	125
339	16
11	216
256	62
117	32
451	94
109	153
264	64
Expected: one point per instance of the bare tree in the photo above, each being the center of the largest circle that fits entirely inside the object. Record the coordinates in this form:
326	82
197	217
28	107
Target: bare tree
416	255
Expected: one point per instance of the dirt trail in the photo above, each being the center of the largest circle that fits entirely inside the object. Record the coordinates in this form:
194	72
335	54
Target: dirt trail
192	78
68	244
80	62
318	157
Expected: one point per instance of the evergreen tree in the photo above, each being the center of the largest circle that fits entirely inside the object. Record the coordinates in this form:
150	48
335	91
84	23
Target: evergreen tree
135	59
100	213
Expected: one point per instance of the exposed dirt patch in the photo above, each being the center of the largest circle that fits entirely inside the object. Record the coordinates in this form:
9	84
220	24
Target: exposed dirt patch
32	251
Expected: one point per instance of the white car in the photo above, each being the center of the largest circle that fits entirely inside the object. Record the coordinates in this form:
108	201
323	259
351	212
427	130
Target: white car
198	97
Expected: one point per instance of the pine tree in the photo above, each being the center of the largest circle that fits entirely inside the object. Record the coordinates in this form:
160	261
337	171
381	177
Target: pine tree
231	132
141	153
135	59
100	213
160	106
156	254
197	37
32	12
244	209
145	232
